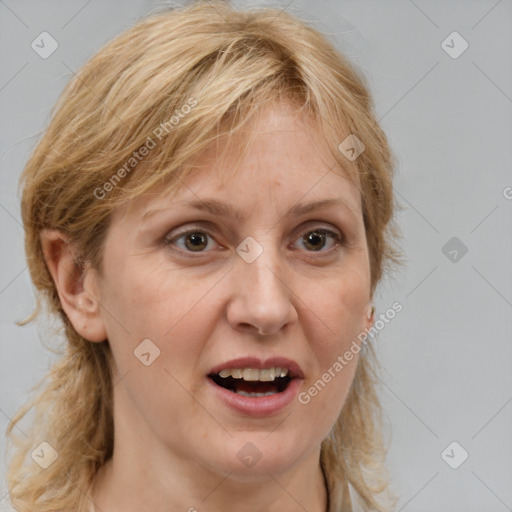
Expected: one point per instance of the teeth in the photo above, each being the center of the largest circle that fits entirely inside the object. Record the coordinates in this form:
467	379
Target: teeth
244	393
268	374
253	374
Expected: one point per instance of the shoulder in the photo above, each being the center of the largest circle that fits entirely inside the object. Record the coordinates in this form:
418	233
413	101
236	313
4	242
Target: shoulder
340	497
5	500
354	499
344	498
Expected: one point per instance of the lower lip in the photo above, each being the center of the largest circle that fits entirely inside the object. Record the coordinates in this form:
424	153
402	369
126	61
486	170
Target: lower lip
258	406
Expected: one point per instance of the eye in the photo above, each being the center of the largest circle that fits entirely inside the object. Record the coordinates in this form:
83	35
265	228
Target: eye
198	240
194	240
315	240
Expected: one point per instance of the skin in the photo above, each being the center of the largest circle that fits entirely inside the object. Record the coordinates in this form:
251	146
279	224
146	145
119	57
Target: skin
176	443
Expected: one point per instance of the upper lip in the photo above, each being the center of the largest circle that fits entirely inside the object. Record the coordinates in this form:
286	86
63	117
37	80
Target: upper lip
260	364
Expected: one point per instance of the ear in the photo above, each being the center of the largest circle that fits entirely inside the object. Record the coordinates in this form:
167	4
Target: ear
369	316
77	285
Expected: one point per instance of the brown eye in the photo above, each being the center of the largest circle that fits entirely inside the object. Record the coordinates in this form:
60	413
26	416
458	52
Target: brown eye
190	241
196	241
316	240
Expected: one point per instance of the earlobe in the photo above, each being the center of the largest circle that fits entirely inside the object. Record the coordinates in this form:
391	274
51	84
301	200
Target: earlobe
76	285
370	316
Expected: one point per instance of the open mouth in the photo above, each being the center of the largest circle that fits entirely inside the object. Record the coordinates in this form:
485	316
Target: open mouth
252	388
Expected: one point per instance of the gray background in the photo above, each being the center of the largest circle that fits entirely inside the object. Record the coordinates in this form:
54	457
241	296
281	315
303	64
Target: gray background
448	354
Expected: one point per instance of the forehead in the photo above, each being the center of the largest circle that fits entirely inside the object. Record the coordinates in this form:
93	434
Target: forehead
280	156
281	137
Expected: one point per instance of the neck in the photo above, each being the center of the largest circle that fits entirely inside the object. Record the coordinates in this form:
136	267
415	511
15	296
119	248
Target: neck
193	489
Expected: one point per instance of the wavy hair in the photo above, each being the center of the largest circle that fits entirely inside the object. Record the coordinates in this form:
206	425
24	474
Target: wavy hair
226	65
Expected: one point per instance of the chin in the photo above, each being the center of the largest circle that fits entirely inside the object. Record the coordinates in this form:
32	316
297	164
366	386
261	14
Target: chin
253	460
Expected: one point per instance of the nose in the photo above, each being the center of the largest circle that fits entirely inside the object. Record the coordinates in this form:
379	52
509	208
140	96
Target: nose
261	300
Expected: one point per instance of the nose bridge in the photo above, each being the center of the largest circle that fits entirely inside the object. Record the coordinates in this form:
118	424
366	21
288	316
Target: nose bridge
262	273
261	299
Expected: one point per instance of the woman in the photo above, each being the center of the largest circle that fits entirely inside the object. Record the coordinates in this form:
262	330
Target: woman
209	213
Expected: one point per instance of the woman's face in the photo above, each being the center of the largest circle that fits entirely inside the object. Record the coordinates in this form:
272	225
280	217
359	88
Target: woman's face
188	286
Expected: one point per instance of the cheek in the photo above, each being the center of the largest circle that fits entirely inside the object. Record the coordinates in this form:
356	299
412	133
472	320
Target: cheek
176	315
152	299
334	318
338	309
169	307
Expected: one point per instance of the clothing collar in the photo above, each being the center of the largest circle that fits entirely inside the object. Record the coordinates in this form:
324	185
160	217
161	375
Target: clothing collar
338	494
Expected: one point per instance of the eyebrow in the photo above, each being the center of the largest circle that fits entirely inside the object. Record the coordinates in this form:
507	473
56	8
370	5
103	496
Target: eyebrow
222	209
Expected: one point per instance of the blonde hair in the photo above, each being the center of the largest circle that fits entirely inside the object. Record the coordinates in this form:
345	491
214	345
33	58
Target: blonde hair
225	65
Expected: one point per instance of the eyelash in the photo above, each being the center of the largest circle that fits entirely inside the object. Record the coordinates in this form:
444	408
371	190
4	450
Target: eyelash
337	237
